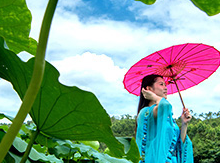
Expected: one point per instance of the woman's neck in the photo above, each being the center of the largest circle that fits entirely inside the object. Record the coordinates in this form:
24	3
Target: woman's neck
152	102
156	101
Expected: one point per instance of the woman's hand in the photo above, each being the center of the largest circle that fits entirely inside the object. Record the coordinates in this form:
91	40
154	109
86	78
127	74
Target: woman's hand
185	117
149	95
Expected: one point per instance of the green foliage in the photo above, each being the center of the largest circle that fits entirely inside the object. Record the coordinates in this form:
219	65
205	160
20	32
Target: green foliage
19	147
209	7
48	149
124	126
5	116
148	2
206	140
204	131
34	84
131	148
60	111
15	25
205	135
63	113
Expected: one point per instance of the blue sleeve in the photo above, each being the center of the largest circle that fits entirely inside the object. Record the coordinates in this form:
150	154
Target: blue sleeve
155	136
185	150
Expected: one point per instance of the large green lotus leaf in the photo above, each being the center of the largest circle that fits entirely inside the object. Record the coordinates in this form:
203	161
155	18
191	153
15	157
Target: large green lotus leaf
94	144
25	130
13	158
46	141
131	148
6	116
63	151
148	2
60	111
211	7
84	149
21	146
15	25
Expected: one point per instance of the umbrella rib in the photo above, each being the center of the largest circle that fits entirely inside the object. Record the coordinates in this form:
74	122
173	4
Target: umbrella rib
196	57
201	70
190	80
171	88
171	54
133	83
187	51
192	72
196	75
180	52
182	85
144	74
197	64
204	60
200	56
188	57
153	72
135	89
143	71
161	57
151	61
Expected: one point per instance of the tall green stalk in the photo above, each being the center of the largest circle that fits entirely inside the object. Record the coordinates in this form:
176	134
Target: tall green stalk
35	82
30	144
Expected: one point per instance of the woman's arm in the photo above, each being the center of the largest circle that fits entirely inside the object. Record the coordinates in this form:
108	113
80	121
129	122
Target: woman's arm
183	132
185	117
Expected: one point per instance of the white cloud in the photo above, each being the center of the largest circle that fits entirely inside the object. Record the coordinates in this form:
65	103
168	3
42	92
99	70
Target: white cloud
99	35
98	74
9	100
113	46
127	42
5	120
70	4
89	65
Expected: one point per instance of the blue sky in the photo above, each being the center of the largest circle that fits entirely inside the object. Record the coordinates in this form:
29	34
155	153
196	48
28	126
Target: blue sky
93	43
114	10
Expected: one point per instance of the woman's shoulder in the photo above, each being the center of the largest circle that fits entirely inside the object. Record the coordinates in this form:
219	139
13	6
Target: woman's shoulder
146	111
163	102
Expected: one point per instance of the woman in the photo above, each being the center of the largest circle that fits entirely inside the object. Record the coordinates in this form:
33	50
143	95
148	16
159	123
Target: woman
158	137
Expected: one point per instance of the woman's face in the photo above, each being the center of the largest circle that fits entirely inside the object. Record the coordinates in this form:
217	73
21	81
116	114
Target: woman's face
160	88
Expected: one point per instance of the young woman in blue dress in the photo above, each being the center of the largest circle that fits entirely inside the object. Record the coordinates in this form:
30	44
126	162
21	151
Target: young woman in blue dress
158	137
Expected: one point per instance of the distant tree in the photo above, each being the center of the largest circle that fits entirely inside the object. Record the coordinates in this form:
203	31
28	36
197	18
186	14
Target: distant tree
124	126
205	136
204	131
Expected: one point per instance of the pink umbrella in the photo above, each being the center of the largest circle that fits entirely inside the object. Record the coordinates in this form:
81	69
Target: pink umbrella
182	67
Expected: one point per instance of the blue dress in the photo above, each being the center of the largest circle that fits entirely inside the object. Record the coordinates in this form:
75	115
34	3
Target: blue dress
158	139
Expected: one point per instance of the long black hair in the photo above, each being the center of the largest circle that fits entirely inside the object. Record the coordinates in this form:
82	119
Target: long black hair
148	80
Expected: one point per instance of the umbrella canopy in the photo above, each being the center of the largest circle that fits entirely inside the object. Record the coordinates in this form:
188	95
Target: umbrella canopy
182	67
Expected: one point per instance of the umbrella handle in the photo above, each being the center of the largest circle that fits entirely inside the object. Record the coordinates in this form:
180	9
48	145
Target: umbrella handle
180	96
179	93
